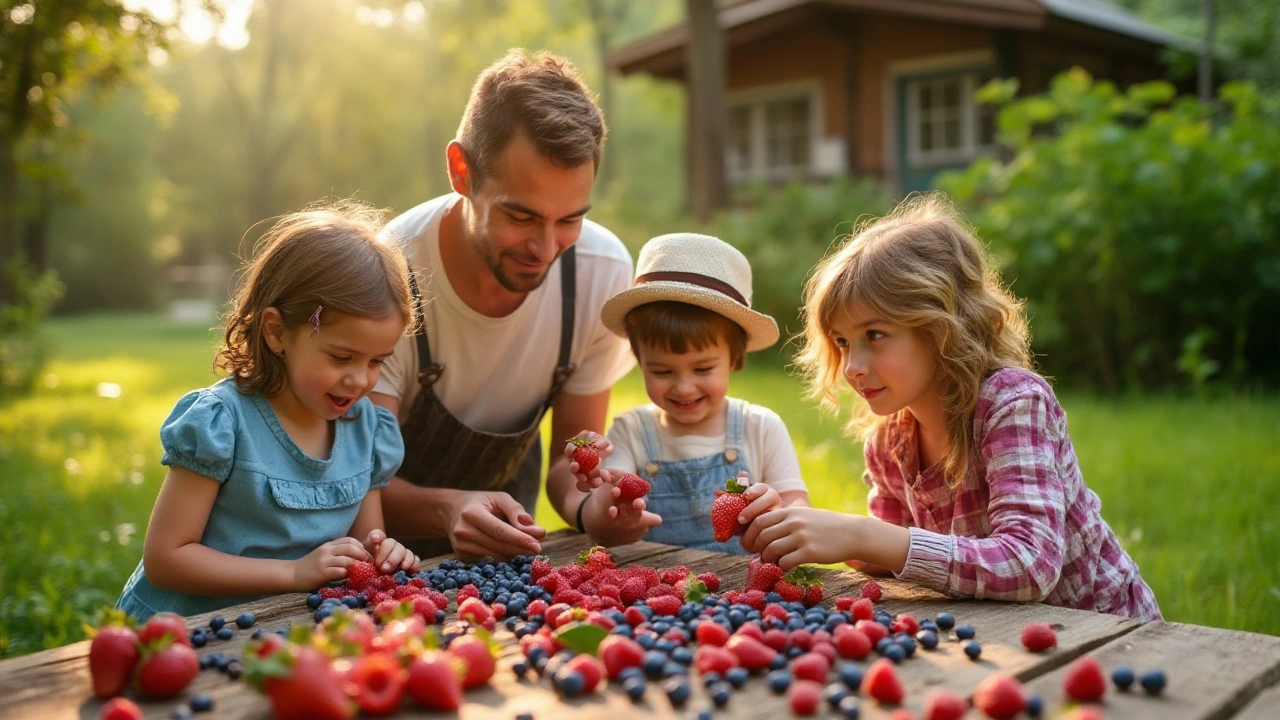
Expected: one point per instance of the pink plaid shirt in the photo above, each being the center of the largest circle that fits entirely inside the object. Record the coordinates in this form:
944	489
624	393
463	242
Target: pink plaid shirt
1023	526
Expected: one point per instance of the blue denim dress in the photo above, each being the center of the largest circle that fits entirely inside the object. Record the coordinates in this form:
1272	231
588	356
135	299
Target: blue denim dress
275	501
683	490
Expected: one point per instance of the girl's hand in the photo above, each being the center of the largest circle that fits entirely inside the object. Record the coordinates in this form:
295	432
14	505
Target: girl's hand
598	475
389	554
328	562
761	498
608	522
793	536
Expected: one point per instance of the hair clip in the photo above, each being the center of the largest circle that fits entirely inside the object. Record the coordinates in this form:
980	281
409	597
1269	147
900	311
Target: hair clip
315	320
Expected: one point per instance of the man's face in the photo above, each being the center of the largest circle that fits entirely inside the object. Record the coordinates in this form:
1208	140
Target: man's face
526	213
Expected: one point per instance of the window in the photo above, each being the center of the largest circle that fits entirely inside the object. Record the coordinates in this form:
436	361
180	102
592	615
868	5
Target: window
772	135
944	125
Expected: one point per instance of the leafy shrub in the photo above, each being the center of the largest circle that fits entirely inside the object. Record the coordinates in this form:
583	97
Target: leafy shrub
1143	231
26	301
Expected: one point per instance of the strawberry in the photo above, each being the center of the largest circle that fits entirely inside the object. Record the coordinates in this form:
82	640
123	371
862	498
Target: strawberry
671	576
813	594
360	575
113	654
910	625
378	683
619	653
711	580
590	668
595	560
425	609
776	638
478	653
725	508
752	654
633	589
852	643
871	590
1084	681
161	624
999	696
804	696
863	609
300	684
167	668
121	709
540	568
435	681
585	454
942	704
762	575
1037	637
467	591
811	666
874	631
633	487
881	682
789	591
712	658
665	605
711	633
474	610
845	604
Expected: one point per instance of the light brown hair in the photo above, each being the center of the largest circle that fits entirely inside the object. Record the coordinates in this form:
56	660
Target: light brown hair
920	267
679	327
540	96
324	255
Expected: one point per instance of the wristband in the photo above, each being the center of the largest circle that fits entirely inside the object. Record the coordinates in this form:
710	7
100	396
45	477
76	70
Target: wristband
579	518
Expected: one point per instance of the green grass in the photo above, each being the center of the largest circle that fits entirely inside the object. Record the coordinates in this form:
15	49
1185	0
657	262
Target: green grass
1190	485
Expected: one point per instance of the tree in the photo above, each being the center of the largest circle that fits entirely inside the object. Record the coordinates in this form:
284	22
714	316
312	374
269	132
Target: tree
705	61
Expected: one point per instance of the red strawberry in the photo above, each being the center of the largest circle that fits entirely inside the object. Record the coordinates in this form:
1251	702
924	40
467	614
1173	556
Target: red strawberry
121	709
711	580
585	454
474	610
378	683
752	654
113	654
590	668
1084	681
595	560
619	653
789	591
633	487
302	685
811	666
813	594
804	696
167	668
711	633
762	576
942	704
909	624
665	605
540	568
161	624
425	609
360	575
1037	637
776	638
478	654
725	508
881	682
874	631
871	590
999	696
852	643
435	681
633	589
711	658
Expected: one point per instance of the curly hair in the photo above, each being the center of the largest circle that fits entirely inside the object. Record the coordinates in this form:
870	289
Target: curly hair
327	254
921	267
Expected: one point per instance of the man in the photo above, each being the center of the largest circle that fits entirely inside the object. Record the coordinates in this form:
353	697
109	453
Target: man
513	277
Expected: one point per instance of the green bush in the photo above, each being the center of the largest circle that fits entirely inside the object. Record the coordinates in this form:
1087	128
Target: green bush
1142	228
785	231
26	301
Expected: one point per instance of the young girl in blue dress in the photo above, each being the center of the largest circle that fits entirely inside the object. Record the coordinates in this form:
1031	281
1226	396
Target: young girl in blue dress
275	471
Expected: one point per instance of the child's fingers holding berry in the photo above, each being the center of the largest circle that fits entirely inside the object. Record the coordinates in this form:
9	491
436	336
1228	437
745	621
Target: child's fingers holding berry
392	556
585	451
761	498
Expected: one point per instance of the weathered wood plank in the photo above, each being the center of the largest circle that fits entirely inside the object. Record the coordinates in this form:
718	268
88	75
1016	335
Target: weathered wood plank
1266	706
1211	673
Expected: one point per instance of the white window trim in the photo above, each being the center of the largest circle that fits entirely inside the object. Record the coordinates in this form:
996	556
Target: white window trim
755	99
969	146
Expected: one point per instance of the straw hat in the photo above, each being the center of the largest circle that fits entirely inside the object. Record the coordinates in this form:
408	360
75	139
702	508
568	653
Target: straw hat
699	270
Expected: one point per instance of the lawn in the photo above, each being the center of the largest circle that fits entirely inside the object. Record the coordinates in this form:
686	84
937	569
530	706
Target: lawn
1190	485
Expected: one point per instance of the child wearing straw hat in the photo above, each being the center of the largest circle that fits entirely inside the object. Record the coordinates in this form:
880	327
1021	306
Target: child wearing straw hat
689	320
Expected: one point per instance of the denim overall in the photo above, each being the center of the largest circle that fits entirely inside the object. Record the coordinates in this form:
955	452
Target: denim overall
441	451
683	490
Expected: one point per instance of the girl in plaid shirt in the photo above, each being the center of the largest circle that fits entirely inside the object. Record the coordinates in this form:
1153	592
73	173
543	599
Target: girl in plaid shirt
975	488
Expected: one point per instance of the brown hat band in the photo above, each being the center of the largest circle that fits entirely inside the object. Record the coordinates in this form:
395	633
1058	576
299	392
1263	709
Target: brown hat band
705	281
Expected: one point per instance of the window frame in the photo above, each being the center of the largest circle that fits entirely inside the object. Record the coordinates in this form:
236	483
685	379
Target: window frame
971	147
755	101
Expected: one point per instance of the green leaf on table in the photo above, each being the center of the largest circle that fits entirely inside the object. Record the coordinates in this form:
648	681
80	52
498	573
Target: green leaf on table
583	637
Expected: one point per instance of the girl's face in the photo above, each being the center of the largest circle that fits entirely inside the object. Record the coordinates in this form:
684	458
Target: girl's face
891	366
688	387
331	370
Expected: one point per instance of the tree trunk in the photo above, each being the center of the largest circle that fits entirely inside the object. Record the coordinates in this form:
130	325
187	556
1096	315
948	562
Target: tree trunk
606	15
1206	52
704	58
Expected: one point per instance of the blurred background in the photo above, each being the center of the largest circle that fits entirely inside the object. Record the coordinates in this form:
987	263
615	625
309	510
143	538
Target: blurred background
1121	159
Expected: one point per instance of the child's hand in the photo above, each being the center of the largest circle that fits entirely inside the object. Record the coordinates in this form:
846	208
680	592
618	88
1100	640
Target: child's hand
609	522
792	536
761	498
389	555
327	563
598	476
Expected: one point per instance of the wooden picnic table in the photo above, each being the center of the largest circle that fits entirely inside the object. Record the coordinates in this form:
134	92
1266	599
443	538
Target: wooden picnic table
1212	673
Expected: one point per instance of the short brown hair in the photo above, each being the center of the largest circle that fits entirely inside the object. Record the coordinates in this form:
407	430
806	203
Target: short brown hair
324	255
680	328
540	96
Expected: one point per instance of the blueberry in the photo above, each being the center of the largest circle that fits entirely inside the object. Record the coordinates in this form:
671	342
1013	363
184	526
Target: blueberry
323	613
883	644
245	621
711	678
226	633
199	639
779	681
216	622
851	676
772	597
653	664
520	668
630	672
965	632
182	712
673	668
973	649
233	669
703	714
835	692
570	683
945	621
677	691
737	677
1152	681
779	662
350	601
313	600
1035	706
895	653
524	716
1122	676
849	707
720	693
928	639
201	703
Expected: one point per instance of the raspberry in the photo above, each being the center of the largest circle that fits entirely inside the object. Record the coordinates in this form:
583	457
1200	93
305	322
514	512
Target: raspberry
711	580
539	569
871	590
942	704
1084	681
633	589
359	574
1037	637
673	575
804	696
999	696
665	604
881	682
467	591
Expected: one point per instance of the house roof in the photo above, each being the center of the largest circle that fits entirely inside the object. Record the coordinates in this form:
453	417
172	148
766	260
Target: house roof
662	50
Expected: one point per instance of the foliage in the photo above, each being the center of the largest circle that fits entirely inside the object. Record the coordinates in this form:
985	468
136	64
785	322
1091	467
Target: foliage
22	347
1246	36
1143	232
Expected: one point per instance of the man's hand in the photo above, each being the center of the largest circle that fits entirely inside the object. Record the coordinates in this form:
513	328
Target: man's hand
598	475
608	522
492	524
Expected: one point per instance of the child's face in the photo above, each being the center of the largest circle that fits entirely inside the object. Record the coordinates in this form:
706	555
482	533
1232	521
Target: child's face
891	366
688	387
331	370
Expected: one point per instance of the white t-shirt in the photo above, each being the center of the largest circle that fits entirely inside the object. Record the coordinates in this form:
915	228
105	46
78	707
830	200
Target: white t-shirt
768	453
498	370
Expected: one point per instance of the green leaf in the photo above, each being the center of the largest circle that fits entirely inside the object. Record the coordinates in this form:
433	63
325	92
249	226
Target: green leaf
583	637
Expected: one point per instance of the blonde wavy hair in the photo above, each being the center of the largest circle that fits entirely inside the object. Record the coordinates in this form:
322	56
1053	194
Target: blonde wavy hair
921	267
327	254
